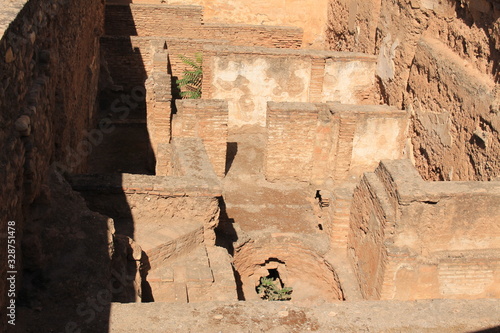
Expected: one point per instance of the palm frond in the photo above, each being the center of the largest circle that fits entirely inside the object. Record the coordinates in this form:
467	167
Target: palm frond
190	84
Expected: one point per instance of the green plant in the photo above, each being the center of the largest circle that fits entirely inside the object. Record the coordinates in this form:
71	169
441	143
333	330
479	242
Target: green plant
190	84
269	290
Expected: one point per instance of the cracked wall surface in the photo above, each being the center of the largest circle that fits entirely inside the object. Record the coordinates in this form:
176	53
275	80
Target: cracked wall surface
438	59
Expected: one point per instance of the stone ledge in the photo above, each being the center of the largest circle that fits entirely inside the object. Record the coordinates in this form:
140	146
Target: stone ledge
259	316
256	26
163	186
257	50
411	187
154	5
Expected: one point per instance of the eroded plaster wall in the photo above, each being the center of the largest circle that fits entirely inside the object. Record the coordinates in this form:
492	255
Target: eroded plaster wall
49	70
440	60
250	77
453	138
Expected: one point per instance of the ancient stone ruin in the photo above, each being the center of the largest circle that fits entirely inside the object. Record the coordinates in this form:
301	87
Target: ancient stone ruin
340	172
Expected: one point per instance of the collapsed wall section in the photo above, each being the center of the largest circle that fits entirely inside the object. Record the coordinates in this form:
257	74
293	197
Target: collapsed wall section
411	239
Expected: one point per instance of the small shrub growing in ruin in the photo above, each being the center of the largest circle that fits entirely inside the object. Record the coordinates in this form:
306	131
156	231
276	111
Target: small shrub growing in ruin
190	84
268	289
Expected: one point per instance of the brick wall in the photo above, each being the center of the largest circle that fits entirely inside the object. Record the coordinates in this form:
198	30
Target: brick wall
186	22
330	140
153	20
370	215
129	59
254	35
49	68
178	47
290	144
206	119
411	239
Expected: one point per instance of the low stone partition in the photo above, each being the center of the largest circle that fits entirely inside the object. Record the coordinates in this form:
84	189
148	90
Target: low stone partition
313	142
205	119
165	216
162	186
411	239
249	77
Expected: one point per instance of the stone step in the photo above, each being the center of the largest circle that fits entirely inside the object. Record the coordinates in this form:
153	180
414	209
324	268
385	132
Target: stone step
202	275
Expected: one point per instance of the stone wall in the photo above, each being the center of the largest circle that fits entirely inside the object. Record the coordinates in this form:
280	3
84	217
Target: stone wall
438	59
49	68
309	15
411	239
187	194
314	142
205	119
453	138
249	77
